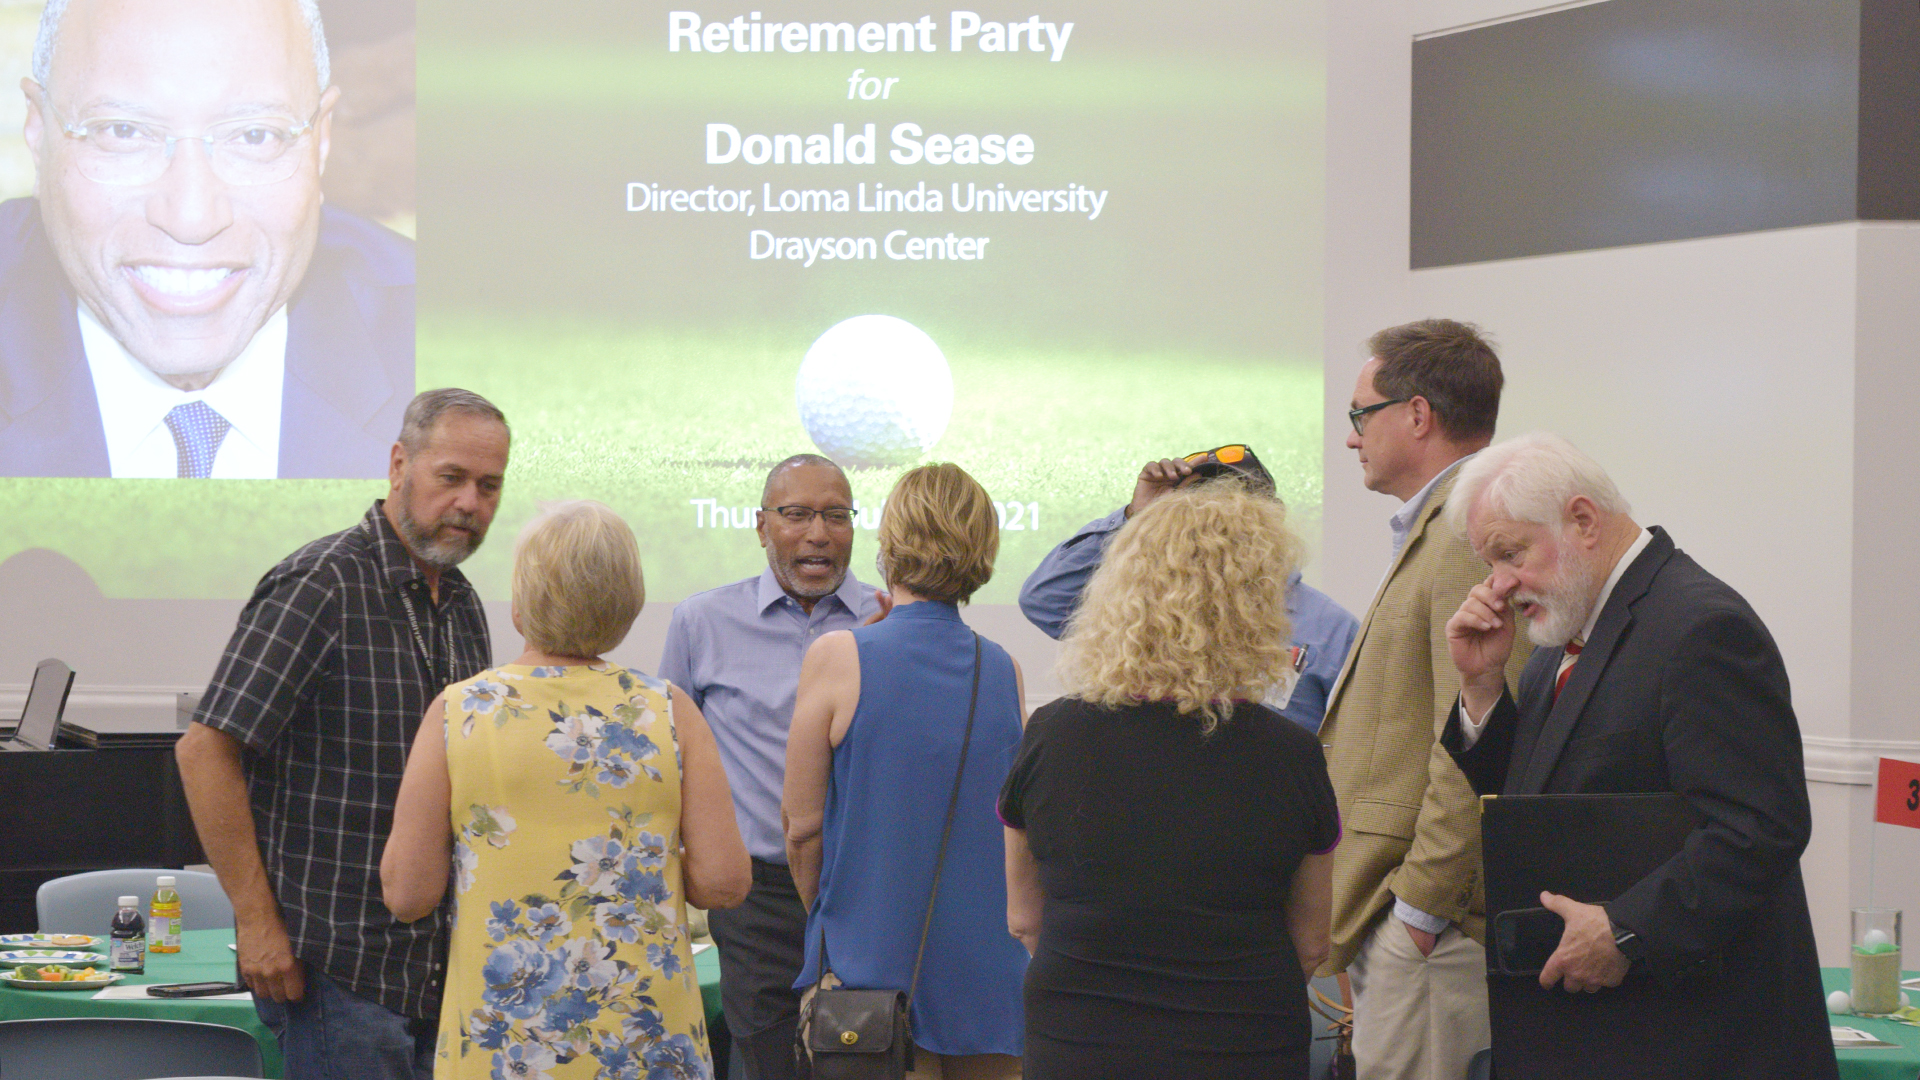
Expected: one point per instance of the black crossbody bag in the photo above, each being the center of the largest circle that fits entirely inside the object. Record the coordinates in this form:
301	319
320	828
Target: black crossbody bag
863	1034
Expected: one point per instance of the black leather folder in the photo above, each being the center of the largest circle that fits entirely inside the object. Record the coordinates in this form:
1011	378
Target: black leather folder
1590	848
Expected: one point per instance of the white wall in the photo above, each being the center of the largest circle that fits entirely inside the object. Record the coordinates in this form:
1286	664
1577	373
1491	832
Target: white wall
1746	392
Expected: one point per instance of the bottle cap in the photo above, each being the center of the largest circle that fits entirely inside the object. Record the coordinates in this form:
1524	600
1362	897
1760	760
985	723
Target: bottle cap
129	901
166	881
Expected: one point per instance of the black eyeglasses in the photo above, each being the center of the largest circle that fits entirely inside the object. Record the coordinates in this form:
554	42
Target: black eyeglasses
838	517
1359	416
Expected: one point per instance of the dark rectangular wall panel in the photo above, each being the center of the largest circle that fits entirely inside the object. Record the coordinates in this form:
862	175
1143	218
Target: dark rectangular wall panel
1631	122
1890	110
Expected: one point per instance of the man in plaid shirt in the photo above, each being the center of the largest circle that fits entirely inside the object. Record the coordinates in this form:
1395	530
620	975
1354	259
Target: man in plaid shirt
294	760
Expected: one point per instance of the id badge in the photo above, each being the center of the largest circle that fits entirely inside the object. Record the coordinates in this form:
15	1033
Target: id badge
1280	693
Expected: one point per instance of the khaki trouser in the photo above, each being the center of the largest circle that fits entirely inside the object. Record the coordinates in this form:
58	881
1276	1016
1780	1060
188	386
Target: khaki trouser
1417	1017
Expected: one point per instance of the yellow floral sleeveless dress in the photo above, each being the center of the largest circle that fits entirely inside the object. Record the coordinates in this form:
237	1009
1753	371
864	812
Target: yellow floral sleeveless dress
570	954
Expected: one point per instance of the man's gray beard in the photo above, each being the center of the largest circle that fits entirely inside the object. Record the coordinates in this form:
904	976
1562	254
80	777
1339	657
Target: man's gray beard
1567	599
439	554
783	573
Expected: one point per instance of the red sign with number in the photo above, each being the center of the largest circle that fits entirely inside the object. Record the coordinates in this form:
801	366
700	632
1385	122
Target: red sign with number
1898	799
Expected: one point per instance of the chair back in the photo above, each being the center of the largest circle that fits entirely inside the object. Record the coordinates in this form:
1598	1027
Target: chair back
124	1048
84	903
1481	1067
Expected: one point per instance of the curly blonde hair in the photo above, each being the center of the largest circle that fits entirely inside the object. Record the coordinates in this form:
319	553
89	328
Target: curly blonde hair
1189	605
939	533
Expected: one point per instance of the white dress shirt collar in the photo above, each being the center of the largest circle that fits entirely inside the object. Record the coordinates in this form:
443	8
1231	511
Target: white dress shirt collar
1403	519
1606	591
134	403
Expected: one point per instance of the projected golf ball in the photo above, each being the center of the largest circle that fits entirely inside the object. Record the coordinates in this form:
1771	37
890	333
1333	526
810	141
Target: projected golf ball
874	391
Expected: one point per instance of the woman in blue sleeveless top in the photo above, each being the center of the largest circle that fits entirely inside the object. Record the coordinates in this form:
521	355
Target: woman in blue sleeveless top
878	726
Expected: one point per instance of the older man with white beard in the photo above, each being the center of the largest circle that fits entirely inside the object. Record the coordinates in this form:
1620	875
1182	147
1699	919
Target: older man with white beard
1651	676
293	763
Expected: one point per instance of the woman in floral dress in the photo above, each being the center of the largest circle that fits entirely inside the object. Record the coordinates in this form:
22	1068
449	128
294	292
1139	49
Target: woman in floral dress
578	808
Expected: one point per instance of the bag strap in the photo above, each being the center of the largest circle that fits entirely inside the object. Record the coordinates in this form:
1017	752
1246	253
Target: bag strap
946	831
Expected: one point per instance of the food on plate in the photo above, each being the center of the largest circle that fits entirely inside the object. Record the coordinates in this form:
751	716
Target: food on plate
57	973
69	941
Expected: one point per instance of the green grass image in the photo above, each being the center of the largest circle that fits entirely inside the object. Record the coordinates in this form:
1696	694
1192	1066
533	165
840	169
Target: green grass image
646	421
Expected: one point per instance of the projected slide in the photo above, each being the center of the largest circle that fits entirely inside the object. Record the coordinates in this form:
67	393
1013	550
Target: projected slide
1048	242
678	244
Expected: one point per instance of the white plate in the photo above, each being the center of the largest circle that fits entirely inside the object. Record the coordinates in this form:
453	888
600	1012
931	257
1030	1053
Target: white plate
44	941
47	956
10	978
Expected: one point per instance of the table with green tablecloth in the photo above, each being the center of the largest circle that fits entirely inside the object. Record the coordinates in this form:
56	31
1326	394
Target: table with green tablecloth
1900	1063
205	957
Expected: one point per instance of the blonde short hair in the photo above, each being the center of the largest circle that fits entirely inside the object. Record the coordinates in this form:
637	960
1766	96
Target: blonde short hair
576	579
1189	605
938	534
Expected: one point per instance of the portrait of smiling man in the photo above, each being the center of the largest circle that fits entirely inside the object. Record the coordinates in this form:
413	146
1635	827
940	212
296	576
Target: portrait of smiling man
175	299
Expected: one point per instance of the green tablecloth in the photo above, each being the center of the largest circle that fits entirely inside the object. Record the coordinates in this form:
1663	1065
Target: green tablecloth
204	957
1902	1063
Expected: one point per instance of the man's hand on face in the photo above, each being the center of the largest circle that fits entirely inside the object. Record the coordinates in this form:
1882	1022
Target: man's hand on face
1480	639
1156	479
1587	958
267	963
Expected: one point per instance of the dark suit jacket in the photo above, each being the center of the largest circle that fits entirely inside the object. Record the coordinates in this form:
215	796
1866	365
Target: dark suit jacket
1680	689
349	371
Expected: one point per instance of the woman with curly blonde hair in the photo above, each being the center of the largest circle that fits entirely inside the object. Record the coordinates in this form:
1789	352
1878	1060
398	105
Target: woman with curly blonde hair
1169	837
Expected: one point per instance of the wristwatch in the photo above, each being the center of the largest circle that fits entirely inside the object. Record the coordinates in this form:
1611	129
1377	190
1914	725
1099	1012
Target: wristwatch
1629	944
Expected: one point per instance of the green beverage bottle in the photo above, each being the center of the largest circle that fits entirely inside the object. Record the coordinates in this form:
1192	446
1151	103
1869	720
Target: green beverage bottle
166	924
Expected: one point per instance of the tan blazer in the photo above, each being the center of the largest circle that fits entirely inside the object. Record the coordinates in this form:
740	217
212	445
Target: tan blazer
1412	824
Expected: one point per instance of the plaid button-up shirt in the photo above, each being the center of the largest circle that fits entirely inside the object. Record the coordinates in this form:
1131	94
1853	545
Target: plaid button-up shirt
335	660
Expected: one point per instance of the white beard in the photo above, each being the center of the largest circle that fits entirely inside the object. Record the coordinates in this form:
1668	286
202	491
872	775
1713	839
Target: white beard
1564	603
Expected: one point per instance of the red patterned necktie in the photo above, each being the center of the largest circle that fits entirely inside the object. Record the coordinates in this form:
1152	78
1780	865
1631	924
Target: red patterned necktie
1566	666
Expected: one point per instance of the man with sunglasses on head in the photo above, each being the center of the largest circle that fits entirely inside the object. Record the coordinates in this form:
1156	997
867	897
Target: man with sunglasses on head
1322	629
175	300
1408	905
736	650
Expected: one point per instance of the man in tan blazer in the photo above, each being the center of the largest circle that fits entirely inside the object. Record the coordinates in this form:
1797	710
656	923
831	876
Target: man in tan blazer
1408	912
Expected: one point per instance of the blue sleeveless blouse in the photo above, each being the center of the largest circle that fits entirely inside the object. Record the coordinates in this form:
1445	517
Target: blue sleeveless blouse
892	777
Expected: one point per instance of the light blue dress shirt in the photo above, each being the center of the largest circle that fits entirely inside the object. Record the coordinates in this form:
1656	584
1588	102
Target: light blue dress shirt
1322	627
736	651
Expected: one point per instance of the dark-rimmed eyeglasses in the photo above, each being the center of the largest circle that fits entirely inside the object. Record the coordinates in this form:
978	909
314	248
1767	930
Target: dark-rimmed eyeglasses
836	517
1359	416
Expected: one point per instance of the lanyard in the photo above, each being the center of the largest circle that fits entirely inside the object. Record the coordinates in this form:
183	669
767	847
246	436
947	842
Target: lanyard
440	679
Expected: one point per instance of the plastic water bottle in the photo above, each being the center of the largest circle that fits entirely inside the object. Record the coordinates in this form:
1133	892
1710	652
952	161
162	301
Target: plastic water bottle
164	929
128	950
